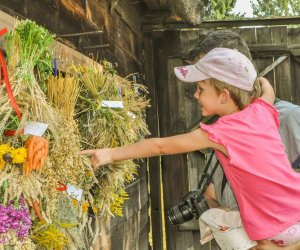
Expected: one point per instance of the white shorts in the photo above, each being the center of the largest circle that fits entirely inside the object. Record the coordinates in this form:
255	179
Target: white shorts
288	236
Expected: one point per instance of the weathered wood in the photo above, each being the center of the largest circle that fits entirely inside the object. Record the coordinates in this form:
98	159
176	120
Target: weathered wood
65	55
158	24
174	103
154	162
65	17
272	66
156	4
264	36
283	80
248	34
130	16
295	79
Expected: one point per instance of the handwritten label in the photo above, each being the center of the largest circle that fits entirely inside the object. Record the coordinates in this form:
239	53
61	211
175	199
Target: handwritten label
35	128
74	192
112	104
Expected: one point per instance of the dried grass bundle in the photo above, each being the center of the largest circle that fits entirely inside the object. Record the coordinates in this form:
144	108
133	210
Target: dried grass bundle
108	127
63	93
13	185
27	47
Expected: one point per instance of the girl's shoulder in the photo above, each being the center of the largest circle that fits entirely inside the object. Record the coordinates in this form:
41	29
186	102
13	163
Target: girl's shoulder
260	103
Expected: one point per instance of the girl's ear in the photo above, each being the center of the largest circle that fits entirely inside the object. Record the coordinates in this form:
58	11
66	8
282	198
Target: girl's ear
225	95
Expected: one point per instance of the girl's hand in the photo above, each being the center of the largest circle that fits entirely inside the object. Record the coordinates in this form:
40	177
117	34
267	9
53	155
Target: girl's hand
99	157
267	91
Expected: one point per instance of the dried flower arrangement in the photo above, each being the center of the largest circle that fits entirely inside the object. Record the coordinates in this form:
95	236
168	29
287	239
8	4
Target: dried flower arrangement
36	172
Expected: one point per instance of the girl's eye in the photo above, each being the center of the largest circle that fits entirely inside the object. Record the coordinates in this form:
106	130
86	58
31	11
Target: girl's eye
197	88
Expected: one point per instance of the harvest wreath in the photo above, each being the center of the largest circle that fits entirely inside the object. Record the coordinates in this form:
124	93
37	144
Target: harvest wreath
49	195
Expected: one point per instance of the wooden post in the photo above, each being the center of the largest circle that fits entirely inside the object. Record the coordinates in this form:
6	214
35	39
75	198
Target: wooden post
154	162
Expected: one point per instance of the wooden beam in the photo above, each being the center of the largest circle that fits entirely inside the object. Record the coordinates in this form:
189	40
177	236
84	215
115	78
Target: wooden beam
272	66
130	16
159	25
156	4
273	47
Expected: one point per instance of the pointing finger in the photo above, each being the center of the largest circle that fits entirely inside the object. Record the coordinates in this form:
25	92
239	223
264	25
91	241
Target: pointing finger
86	152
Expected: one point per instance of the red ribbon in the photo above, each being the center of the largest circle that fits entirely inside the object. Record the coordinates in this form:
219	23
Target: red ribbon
8	88
3	31
62	187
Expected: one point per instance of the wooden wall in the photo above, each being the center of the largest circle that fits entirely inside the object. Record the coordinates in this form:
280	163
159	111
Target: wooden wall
153	52
120	22
178	112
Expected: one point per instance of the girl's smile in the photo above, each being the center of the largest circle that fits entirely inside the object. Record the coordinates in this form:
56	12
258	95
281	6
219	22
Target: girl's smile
207	97
213	102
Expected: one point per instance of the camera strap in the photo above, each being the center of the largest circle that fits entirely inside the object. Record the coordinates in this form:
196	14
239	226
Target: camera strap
206	176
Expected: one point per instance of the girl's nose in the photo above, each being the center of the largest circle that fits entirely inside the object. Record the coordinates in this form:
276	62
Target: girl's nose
196	95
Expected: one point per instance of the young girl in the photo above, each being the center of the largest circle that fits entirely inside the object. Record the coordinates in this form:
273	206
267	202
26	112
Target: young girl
246	141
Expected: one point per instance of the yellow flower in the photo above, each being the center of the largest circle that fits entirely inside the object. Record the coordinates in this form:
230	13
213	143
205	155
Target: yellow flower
2	163
75	202
85	206
95	209
5	148
19	155
116	207
88	174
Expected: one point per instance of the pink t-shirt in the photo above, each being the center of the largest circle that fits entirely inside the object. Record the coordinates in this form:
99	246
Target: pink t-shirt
265	186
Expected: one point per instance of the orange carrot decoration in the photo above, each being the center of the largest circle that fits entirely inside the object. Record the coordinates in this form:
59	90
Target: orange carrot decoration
37	152
37	210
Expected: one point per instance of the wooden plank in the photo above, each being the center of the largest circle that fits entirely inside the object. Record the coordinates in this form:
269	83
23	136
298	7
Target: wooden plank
156	4
175	184
196	163
130	16
282	71
131	233
283	81
293	34
155	195
158	24
295	78
272	66
264	36
279	35
248	34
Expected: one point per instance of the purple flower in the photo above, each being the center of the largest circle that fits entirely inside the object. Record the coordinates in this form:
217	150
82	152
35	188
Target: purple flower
15	218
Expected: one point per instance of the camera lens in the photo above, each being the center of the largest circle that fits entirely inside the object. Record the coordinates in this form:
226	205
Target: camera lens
180	214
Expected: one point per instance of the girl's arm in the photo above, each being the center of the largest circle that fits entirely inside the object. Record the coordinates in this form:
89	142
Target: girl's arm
267	91
195	140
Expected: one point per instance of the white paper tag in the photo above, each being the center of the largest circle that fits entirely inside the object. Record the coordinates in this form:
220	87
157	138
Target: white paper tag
74	192
35	128
112	104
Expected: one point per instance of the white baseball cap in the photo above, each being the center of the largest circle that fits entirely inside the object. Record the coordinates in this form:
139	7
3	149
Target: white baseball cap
226	65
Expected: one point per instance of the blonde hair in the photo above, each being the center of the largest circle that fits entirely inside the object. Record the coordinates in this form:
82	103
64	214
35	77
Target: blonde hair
241	98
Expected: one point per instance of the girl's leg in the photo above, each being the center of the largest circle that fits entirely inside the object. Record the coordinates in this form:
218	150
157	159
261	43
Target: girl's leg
269	245
288	237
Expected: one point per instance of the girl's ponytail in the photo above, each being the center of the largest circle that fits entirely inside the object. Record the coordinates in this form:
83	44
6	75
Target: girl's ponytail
256	92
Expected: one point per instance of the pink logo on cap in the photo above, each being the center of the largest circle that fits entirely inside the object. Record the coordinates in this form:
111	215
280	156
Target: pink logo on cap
183	71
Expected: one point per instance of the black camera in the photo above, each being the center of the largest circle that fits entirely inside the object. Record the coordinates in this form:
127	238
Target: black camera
192	207
194	203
